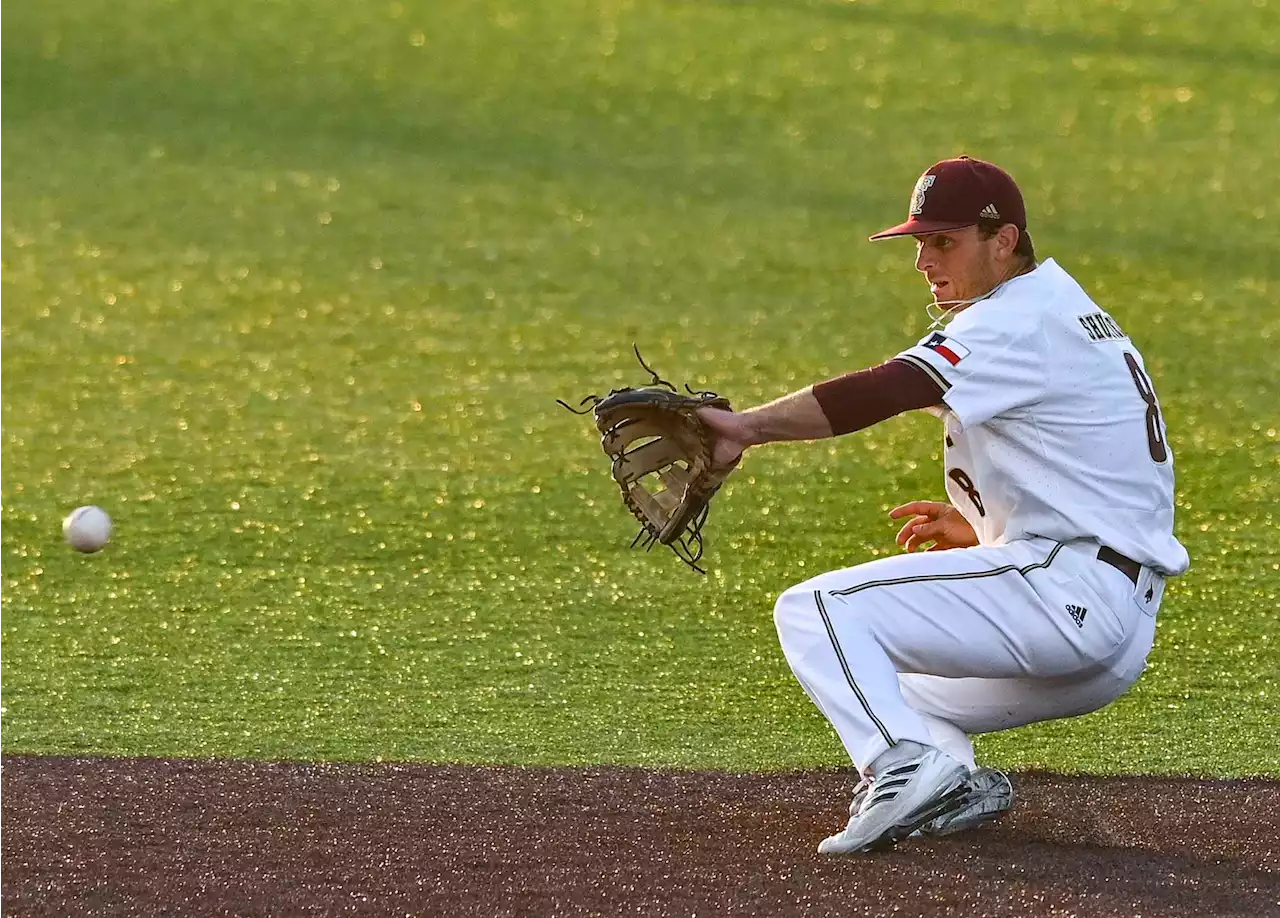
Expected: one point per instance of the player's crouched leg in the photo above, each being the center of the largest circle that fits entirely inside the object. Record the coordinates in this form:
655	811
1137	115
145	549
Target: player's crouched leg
800	629
838	660
806	618
797	614
835	610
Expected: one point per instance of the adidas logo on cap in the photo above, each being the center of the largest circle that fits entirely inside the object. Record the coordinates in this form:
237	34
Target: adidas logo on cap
989	212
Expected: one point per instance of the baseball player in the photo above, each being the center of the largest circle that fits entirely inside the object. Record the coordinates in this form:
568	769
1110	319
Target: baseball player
1031	592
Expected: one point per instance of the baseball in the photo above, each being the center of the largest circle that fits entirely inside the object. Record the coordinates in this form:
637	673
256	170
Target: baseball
87	529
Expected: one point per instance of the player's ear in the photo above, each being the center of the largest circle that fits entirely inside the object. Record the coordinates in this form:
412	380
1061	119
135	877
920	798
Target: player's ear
1007	240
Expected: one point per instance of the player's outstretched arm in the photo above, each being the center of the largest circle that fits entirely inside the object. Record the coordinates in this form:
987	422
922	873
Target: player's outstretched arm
831	408
933	521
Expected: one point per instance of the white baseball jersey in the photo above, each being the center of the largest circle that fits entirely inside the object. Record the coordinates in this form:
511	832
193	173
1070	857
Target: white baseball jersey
1053	429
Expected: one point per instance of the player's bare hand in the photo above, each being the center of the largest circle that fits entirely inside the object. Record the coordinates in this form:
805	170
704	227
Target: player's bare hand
732	435
933	522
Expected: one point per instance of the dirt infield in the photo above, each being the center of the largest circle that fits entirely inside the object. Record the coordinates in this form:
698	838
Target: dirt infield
158	837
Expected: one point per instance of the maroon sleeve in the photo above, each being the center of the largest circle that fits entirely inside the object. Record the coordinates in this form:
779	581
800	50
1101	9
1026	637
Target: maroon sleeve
857	400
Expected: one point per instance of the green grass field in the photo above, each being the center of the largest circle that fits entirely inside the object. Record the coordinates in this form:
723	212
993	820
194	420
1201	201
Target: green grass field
290	289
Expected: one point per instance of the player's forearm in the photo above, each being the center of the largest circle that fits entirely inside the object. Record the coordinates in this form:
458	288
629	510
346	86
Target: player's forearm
796	416
842	405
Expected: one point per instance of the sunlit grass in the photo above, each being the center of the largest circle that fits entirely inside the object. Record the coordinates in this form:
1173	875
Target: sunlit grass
291	289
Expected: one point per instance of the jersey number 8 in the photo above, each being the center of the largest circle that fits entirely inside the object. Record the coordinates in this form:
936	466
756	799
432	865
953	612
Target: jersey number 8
1155	429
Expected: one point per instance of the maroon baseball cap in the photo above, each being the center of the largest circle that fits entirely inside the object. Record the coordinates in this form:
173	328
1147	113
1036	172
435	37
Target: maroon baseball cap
956	193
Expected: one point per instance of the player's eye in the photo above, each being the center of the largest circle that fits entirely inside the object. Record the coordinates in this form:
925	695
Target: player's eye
933	242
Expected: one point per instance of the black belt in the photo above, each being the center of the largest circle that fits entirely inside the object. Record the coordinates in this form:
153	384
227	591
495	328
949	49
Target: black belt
1126	566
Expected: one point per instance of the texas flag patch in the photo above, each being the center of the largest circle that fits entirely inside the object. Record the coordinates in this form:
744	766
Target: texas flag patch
952	351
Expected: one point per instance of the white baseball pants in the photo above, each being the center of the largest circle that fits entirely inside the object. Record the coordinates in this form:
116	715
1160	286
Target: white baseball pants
936	646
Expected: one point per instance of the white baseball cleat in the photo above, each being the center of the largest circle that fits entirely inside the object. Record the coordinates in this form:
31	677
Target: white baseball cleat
916	785
990	796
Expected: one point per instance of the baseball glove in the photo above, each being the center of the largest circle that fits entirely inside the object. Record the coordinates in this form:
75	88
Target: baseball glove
661	454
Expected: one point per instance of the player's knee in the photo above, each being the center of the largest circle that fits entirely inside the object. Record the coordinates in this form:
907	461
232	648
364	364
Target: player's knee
795	612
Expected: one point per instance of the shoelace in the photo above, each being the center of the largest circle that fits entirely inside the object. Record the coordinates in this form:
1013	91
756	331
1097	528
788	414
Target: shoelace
860	795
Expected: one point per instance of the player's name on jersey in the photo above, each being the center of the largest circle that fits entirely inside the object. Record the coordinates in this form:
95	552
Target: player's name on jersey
1101	327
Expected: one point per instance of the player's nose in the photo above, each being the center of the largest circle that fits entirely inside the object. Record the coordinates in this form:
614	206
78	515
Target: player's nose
925	260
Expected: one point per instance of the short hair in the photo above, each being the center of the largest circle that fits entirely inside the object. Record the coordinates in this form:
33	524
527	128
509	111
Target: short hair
1025	247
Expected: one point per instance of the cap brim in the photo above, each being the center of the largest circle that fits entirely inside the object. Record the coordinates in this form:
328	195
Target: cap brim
914	227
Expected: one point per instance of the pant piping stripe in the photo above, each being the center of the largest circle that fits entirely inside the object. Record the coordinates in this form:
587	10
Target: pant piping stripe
972	575
848	674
